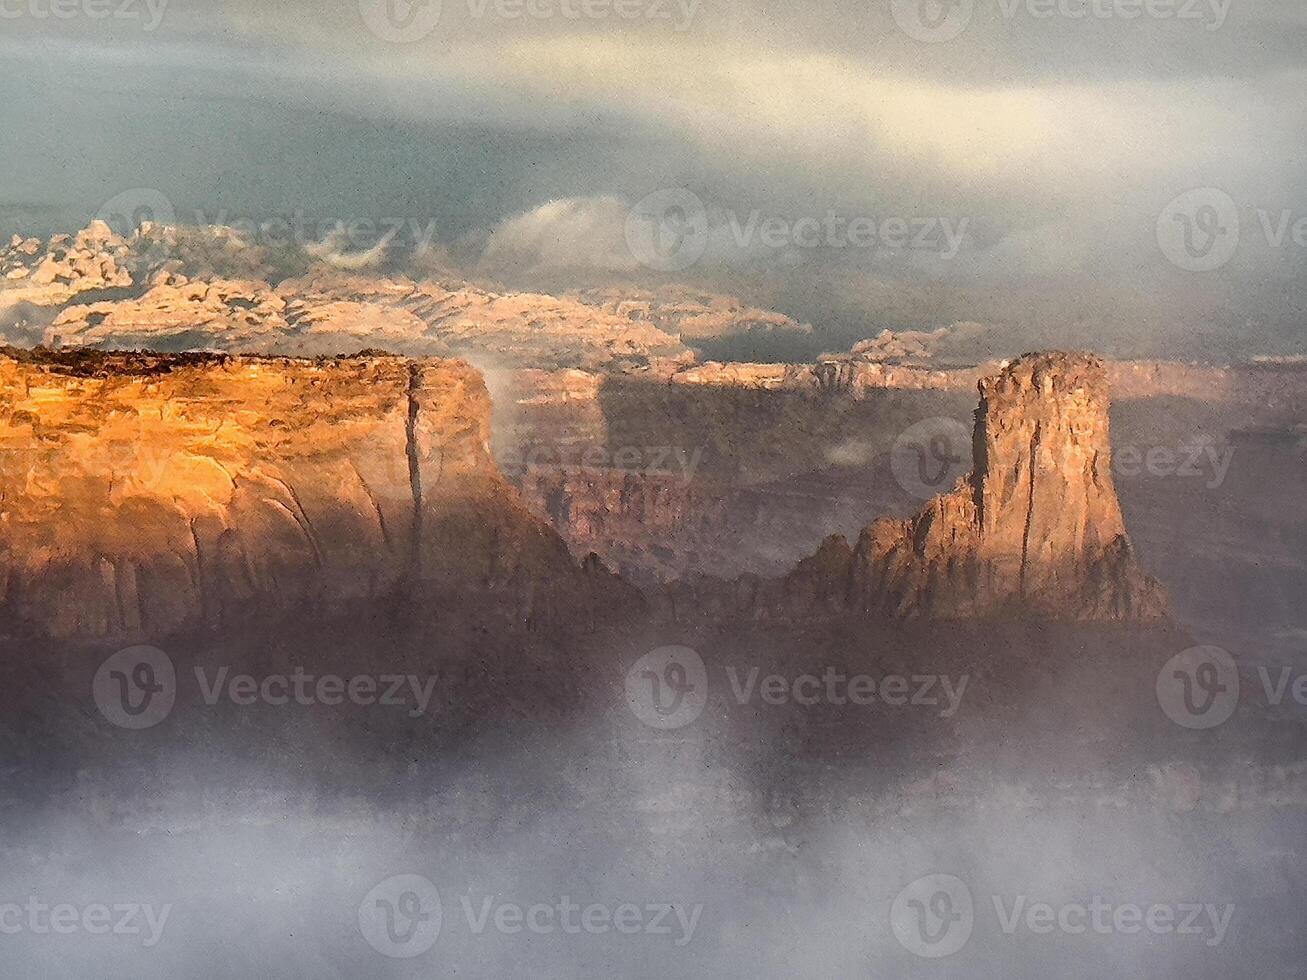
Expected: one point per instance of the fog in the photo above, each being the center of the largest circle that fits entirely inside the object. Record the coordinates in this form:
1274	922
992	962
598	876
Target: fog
783	821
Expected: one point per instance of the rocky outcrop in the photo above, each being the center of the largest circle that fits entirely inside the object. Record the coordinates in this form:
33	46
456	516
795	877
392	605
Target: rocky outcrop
187	288
53	272
145	494
328	312
693	315
1034	530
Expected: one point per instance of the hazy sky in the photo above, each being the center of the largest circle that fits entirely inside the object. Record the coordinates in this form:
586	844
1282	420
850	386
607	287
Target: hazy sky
852	163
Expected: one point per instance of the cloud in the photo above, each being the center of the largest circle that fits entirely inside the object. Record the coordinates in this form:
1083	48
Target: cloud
570	233
1059	141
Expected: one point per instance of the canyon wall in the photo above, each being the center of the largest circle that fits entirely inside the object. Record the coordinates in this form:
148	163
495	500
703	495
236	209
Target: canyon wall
144	494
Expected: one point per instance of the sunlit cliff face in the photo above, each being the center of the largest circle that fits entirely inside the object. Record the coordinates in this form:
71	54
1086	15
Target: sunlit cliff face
145	495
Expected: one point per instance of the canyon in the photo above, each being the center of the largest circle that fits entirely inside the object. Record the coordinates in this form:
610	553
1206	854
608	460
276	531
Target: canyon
601	431
146	494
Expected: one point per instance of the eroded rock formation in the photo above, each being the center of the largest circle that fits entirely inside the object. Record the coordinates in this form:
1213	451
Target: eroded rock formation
144	494
1035	529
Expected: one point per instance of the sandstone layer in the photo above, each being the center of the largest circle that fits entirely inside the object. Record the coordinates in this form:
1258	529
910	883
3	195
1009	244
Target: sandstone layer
1034	530
145	494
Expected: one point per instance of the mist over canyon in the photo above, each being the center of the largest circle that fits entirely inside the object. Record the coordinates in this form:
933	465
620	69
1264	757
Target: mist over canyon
652	490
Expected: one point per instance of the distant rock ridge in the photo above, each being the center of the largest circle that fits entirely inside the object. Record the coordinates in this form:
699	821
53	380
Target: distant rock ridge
209	288
1035	530
142	494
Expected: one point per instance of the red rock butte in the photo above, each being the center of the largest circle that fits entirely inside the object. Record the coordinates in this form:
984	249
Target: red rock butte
1034	530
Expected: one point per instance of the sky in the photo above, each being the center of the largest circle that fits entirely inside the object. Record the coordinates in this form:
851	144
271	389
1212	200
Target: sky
1121	175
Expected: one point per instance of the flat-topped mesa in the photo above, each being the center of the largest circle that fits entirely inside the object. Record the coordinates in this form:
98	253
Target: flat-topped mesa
144	494
1035	530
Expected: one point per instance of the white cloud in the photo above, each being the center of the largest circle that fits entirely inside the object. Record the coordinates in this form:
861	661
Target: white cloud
570	233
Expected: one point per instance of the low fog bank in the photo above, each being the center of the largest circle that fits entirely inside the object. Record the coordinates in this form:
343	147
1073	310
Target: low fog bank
769	829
